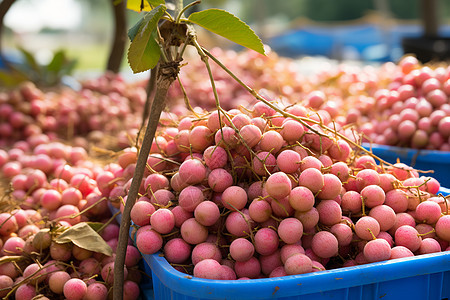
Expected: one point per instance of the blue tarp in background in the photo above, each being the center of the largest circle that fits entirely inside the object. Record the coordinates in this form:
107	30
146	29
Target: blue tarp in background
364	42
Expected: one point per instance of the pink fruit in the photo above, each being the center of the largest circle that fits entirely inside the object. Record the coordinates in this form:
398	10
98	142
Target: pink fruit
148	240
162	221
324	244
57	281
177	251
75	289
193	232
234	198
312	179
204	251
298	264
278	185
377	250
5	285
367	227
207	213
301	198
266	241
290	230
250	268
408	236
330	212
443	228
8	224
208	269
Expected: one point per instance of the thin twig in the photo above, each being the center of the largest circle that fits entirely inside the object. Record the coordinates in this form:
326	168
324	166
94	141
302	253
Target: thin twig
186	99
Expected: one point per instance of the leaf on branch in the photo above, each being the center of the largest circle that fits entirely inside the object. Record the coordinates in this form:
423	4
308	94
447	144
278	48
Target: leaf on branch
155	3
229	26
148	4
132	32
85	237
144	51
95	225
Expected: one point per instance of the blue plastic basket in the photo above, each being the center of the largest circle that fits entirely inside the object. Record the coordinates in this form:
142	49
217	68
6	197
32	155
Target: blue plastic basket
424	277
438	161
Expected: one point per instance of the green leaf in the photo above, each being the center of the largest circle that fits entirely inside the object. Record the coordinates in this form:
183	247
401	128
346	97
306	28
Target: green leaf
85	237
144	52
58	67
13	77
229	26
95	225
148	4
57	62
132	32
151	54
69	66
155	3
31	61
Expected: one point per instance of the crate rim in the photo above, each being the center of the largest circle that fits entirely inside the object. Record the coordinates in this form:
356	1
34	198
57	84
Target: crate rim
404	149
425	155
323	281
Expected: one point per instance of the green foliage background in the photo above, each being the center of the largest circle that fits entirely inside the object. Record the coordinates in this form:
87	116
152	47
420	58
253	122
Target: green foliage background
337	10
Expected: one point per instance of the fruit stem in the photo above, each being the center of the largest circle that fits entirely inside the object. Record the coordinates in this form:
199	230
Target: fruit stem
180	14
27	279
186	99
424	234
363	206
275	218
371	233
108	222
204	58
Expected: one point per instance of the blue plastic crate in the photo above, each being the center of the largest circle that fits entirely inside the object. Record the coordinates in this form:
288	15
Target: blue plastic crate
146	284
424	277
438	161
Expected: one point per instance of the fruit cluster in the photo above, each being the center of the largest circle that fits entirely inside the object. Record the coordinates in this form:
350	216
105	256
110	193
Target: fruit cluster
69	114
405	104
55	188
276	76
414	111
254	193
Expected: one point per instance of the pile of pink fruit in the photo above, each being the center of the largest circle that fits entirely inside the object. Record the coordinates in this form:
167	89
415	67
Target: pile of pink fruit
246	191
